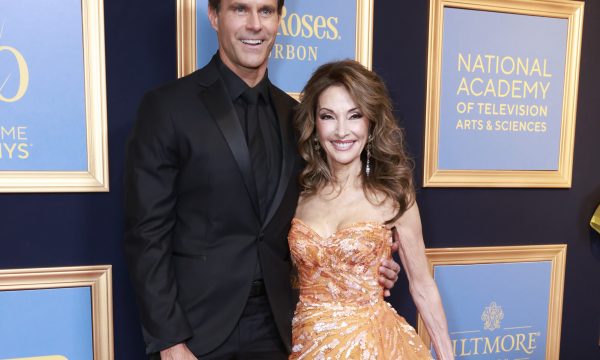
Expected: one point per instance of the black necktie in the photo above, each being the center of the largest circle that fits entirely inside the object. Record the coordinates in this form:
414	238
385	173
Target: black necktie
256	146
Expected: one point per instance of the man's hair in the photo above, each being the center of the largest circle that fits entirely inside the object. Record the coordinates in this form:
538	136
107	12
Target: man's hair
216	4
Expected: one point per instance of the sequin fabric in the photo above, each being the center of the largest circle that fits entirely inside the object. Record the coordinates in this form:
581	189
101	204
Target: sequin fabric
341	313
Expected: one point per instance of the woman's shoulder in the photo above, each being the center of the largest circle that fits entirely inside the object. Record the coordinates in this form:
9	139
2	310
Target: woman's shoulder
304	201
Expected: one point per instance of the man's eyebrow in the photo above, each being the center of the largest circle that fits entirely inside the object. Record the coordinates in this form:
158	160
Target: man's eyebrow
237	4
267	7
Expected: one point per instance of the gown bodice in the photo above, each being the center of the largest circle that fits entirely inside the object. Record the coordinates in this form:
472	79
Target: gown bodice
341	312
342	267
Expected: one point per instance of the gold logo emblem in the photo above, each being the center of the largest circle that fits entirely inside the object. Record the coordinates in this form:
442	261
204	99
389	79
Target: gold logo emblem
491	316
23	72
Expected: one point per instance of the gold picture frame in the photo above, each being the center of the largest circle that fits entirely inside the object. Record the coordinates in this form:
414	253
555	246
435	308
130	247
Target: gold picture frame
525	255
434	176
95	178
98	278
186	36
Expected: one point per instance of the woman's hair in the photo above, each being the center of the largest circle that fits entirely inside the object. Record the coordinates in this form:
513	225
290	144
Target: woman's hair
391	168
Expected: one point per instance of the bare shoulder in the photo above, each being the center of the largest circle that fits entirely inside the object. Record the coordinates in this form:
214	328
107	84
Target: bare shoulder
409	224
411	214
304	201
386	207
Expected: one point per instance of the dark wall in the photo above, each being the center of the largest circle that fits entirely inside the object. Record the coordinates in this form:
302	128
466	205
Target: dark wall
40	230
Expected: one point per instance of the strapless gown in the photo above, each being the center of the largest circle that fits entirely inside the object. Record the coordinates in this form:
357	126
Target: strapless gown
341	313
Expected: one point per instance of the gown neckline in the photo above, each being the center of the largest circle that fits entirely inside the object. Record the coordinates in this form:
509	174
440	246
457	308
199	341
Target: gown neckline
339	230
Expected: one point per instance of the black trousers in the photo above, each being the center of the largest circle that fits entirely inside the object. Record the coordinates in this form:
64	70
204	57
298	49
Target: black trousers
255	337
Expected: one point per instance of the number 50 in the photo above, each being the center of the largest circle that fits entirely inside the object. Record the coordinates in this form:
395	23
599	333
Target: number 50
23	74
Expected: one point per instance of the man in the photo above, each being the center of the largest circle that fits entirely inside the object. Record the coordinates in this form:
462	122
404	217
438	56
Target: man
210	190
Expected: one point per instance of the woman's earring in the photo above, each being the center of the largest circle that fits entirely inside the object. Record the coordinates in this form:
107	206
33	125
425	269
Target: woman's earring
317	145
369	145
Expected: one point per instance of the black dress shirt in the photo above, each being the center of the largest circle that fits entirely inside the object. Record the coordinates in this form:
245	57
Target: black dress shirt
270	128
235	86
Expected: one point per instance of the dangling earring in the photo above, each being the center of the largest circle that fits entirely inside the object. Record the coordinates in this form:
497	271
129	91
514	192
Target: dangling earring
369	145
317	145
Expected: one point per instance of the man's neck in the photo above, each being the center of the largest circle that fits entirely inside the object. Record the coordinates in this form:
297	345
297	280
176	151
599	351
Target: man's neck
251	76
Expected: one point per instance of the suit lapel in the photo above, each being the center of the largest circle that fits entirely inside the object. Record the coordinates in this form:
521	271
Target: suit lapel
288	143
216	100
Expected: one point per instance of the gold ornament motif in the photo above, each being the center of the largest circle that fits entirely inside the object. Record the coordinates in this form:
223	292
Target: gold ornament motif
491	316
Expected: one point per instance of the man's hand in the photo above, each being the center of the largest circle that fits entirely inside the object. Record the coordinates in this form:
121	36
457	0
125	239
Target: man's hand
177	352
389	271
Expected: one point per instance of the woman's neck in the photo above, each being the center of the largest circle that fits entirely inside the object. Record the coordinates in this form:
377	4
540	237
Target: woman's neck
346	176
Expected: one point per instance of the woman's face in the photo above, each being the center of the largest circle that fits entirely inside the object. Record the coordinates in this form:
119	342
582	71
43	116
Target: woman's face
341	127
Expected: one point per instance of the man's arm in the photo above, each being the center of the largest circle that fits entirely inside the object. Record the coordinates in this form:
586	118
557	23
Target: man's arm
177	352
150	196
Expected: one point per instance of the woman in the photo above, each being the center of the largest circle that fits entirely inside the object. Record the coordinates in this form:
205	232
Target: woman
357	190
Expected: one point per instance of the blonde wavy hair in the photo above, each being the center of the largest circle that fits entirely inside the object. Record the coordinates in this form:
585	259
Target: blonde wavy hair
391	167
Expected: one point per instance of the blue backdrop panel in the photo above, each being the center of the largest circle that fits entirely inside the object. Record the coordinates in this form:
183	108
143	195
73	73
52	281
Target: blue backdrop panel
496	310
502	91
46	322
43	128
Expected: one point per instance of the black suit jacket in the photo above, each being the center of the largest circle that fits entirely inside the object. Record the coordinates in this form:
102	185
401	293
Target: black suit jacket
192	223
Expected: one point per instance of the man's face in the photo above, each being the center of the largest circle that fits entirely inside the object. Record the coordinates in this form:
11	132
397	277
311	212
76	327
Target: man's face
246	30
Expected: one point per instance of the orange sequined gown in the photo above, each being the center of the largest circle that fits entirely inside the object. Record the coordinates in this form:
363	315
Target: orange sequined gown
341	313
